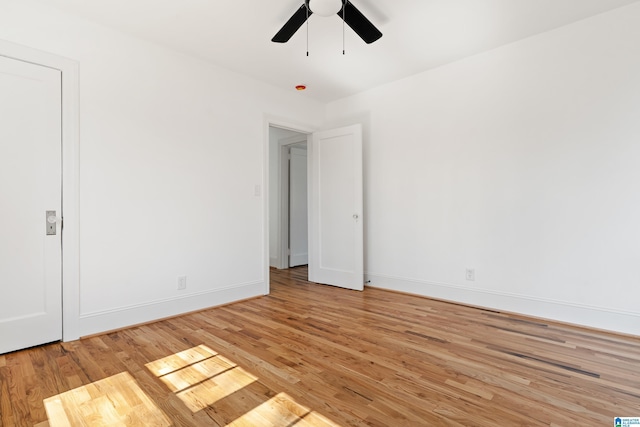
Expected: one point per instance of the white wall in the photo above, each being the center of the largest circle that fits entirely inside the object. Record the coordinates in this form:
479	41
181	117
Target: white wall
171	150
522	163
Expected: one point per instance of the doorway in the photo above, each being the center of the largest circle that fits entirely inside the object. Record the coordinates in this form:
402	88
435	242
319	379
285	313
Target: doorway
335	221
288	243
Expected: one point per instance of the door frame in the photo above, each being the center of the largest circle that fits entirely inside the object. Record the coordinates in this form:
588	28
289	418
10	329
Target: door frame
278	122
70	176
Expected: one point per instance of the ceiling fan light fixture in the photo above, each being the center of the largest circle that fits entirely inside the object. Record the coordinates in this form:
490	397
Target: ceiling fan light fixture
325	7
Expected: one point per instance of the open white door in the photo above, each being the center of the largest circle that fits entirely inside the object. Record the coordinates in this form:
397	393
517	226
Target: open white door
335	208
30	185
298	207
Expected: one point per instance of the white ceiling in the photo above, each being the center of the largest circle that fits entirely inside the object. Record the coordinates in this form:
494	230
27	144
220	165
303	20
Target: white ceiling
418	35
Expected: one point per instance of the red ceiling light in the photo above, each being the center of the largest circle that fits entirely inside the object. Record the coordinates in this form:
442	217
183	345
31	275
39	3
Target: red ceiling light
301	87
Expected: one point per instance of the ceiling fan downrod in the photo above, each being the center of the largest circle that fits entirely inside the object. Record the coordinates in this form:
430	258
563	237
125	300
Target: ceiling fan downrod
344	12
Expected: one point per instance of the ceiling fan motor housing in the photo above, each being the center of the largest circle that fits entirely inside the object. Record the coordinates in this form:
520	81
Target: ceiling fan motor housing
325	7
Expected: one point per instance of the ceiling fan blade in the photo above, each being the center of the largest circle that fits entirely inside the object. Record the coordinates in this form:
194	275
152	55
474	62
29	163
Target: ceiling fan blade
292	25
359	23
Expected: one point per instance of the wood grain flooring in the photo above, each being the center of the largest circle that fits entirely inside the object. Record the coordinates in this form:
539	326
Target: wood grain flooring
313	355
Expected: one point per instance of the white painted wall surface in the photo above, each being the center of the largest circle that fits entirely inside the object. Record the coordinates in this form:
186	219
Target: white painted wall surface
522	163
171	151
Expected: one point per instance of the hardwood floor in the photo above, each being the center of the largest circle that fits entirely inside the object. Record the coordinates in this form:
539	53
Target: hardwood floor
313	355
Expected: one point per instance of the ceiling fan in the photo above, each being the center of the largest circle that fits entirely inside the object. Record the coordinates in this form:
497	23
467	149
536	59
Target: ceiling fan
343	8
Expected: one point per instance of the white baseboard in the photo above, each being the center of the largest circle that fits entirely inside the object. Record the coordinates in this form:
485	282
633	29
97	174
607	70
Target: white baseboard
591	316
121	317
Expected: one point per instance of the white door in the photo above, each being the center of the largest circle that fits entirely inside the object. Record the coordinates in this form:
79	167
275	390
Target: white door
30	185
335	208
298	229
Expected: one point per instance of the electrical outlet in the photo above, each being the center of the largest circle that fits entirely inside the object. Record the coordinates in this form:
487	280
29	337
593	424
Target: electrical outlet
182	282
470	274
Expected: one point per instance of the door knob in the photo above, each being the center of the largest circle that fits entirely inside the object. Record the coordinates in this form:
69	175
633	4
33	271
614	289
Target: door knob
52	222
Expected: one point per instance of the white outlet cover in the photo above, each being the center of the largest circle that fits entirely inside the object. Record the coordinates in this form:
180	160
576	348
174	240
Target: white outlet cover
470	274
182	282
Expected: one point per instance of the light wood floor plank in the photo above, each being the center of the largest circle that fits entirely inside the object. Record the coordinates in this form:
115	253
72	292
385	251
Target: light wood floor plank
314	355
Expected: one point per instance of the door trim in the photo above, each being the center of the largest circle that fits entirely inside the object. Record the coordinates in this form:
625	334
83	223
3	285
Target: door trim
70	176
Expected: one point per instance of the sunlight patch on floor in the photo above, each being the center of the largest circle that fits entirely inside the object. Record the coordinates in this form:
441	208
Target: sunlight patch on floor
180	360
113	401
216	388
281	409
202	378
